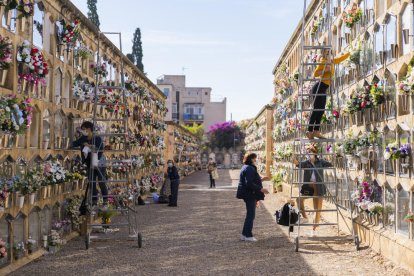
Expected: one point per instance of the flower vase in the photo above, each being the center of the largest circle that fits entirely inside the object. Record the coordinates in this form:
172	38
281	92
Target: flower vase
45	144
23	24
49	190
376	219
23	86
44	192
3	77
32	198
404	101
21	201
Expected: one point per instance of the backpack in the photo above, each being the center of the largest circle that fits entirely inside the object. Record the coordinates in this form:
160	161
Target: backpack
282	216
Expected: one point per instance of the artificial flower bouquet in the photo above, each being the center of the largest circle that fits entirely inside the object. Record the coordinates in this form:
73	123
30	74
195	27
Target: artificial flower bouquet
409	217
6	50
15	114
406	85
3	249
70	32
54	173
352	16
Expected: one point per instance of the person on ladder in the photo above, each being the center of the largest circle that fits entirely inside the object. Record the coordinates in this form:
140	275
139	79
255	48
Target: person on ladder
86	142
313	180
325	72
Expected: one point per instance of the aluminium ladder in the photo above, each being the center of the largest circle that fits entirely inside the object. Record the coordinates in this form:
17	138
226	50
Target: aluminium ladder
115	159
305	104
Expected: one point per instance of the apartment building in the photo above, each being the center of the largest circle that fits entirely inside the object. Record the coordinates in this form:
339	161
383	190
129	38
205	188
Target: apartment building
188	105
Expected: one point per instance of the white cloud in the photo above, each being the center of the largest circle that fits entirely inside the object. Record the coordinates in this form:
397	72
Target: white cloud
171	38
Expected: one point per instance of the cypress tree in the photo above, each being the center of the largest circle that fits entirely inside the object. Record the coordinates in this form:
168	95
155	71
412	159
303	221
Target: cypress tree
137	50
93	12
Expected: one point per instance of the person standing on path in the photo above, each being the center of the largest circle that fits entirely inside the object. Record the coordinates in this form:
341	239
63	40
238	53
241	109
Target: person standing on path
251	190
314	176
325	73
86	143
213	173
175	182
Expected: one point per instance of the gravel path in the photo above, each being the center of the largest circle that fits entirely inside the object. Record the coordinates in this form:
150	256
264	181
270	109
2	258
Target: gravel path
201	237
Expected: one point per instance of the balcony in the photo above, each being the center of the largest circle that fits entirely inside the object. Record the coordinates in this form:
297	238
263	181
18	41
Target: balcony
193	117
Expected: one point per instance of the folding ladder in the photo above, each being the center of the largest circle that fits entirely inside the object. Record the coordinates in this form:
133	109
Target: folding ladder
304	104
115	158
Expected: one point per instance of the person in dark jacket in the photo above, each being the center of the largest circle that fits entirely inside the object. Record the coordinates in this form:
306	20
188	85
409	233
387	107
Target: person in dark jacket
251	190
175	182
313	176
87	140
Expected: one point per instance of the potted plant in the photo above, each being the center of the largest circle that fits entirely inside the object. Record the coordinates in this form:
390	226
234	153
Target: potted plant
376	209
409	217
54	241
31	245
19	250
107	214
3	253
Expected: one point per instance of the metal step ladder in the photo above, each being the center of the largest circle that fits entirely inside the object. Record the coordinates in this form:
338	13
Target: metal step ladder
300	165
113	158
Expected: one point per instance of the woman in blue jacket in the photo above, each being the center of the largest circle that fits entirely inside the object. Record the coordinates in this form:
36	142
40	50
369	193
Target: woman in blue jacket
251	190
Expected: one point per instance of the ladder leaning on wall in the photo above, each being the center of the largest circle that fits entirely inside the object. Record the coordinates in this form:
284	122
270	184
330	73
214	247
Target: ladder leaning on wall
305	104
107	94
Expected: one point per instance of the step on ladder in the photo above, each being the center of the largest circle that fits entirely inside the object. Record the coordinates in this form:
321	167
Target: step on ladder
304	104
114	159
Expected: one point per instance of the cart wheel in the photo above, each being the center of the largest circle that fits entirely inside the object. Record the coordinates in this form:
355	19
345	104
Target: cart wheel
296	244
139	240
87	240
356	239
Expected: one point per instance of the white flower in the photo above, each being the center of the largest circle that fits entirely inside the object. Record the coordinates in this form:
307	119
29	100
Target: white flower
7	109
27	60
19	57
387	155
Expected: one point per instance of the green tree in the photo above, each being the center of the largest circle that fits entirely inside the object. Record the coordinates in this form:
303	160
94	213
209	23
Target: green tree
137	55
93	12
131	58
197	130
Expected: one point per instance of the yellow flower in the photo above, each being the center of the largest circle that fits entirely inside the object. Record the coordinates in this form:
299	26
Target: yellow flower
26	2
26	9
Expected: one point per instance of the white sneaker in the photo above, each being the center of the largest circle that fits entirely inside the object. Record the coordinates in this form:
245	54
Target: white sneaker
251	239
242	237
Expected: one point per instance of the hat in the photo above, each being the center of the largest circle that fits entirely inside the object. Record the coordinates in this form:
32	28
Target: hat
312	148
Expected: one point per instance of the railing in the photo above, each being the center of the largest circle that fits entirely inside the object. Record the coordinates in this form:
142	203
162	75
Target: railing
193	117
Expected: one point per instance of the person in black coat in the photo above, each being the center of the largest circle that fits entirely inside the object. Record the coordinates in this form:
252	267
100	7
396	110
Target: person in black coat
87	140
175	182
251	190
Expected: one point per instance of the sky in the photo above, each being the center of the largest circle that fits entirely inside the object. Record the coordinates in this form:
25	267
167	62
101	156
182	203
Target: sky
228	45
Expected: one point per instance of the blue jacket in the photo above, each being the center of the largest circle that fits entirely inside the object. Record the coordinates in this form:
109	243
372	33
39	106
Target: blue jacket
173	174
250	184
99	145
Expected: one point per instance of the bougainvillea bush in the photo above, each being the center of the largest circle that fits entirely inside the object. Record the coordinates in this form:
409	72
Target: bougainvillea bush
221	135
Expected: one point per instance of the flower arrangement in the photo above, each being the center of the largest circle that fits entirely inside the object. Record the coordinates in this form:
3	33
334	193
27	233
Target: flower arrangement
393	152
3	196
82	90
83	52
315	26
406	85
55	238
352	16
25	7
6	50
377	94
408	218
107	214
3	249
15	114
116	140
19	247
70	32
31	243
72	211
54	173
33	58
100	69
375	208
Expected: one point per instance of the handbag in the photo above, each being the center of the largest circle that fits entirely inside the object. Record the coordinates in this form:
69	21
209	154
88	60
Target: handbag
307	190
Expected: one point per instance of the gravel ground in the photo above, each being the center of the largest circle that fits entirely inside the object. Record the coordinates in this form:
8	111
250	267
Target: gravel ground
201	237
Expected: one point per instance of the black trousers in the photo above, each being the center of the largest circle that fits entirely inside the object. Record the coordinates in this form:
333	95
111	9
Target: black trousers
212	181
174	192
319	90
98	175
250	215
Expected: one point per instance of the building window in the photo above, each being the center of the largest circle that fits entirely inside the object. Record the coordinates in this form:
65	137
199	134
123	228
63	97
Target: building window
206	93
9	20
403	208
38	24
370	12
389	210
167	92
367	53
406	29
379	46
391	39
